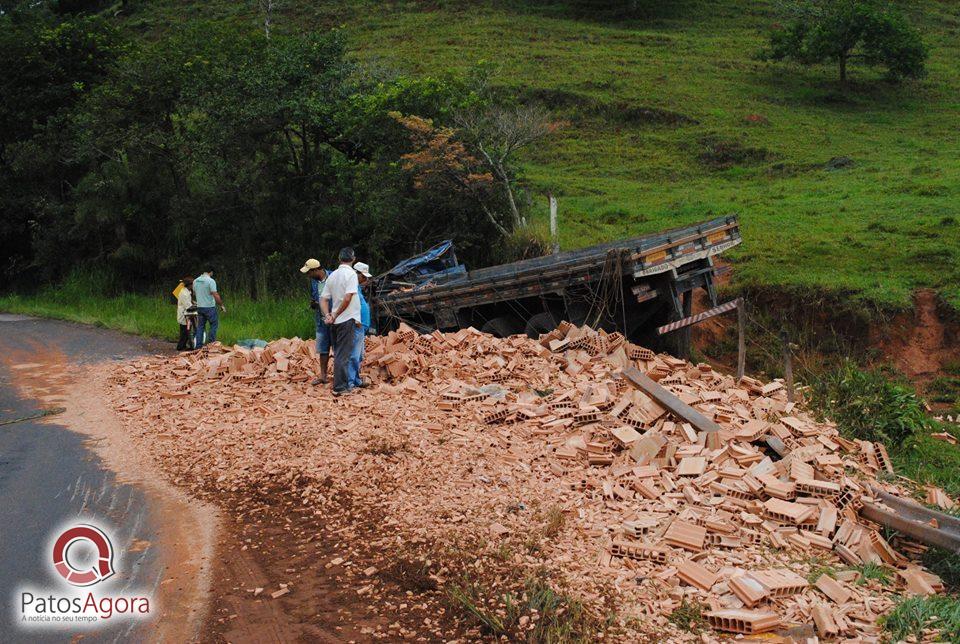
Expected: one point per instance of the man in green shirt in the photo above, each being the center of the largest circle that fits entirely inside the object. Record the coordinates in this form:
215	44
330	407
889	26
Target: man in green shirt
208	299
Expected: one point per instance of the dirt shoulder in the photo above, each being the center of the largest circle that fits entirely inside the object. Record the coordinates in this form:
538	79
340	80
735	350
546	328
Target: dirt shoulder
187	528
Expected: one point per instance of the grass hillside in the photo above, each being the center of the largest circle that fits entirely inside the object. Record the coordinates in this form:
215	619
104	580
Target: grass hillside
671	119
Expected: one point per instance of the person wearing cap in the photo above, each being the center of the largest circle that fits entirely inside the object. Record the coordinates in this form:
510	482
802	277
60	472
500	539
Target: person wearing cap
341	310
208	299
318	276
356	358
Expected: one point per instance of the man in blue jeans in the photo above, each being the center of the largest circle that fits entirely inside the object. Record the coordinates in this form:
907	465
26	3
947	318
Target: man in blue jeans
356	358
208	299
341	310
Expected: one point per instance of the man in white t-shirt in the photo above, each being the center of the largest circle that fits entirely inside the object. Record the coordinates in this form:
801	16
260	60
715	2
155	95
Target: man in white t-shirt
341	310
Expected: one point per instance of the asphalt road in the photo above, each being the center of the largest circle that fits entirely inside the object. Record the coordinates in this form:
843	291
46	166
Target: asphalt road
49	477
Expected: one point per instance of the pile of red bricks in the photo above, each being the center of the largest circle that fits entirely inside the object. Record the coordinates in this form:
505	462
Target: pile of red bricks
483	434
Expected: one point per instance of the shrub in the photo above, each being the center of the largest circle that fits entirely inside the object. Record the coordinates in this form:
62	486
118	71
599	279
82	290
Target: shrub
868	406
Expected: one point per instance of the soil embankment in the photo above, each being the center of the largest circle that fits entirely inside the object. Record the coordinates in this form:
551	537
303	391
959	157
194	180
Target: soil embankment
920	342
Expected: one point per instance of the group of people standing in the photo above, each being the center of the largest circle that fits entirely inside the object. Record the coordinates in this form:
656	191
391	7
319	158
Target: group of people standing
342	318
197	303
341	313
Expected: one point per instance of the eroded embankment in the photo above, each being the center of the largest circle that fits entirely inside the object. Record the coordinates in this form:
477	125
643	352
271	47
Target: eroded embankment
921	342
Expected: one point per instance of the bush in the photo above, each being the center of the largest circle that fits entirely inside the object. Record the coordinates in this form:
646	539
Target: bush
523	243
868	406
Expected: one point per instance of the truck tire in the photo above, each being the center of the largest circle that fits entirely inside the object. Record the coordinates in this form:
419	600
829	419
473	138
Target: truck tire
503	326
540	323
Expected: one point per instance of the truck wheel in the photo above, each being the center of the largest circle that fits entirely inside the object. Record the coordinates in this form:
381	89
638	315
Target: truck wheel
503	326
540	323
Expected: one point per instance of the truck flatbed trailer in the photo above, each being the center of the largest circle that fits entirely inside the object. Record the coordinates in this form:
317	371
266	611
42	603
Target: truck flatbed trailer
630	285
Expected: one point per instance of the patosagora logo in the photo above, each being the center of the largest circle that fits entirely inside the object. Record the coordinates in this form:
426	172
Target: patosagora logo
94	574
84	559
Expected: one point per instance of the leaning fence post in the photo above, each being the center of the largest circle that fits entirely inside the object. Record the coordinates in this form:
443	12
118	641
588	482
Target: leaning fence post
741	339
787	364
554	233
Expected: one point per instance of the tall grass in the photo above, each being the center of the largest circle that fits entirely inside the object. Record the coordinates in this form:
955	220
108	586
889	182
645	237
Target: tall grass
867	405
95	298
913	617
537	614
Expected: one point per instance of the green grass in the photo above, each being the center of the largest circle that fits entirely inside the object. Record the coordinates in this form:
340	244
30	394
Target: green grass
537	614
931	461
688	616
868	405
877	230
155	315
944	390
873	572
911	616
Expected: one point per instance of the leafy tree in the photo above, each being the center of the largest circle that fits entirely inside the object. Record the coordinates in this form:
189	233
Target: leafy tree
217	144
477	155
46	69
498	134
841	31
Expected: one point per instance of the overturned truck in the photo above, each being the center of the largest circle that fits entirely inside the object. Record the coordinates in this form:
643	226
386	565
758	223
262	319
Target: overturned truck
631	285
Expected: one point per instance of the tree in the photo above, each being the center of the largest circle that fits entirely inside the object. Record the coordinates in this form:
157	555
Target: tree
841	31
477	154
267	7
439	157
214	144
46	68
498	134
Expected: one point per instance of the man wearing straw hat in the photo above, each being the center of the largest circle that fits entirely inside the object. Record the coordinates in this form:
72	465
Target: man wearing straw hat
318	276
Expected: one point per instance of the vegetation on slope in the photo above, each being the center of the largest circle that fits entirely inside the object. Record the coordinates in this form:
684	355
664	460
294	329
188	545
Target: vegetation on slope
672	118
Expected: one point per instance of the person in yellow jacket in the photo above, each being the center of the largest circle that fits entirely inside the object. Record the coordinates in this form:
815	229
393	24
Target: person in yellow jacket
185	316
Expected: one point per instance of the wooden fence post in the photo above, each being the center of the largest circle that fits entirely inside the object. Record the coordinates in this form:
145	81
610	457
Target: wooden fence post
741	339
554	232
787	364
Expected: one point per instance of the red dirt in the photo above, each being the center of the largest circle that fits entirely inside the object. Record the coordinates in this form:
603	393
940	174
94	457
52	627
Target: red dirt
917	342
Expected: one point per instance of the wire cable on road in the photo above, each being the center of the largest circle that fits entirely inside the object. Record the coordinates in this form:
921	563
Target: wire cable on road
40	414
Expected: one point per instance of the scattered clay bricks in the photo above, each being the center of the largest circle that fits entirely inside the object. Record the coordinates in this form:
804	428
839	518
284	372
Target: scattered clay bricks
750	591
780	582
692	466
488	421
787	512
696	575
639	552
823	619
832	589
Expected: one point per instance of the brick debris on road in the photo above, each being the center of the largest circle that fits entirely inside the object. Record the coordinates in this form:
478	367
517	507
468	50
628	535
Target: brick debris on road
467	442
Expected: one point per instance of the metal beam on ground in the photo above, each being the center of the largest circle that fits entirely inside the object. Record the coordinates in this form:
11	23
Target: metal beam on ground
668	401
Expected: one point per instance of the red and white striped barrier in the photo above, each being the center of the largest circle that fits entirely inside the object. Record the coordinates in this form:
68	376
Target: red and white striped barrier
699	317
